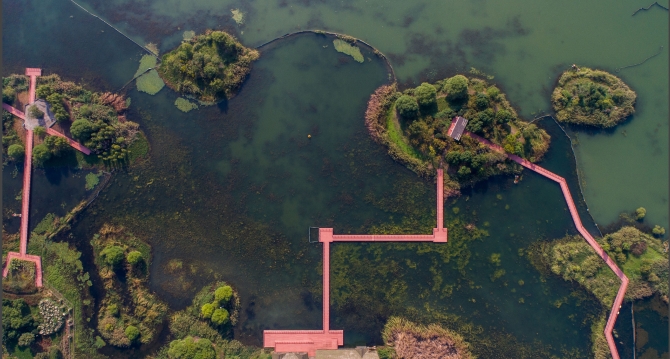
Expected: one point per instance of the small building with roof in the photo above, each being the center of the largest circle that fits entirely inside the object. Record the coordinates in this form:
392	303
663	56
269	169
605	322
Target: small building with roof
45	121
457	127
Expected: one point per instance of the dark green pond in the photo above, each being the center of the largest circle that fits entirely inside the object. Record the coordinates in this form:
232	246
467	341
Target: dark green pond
231	190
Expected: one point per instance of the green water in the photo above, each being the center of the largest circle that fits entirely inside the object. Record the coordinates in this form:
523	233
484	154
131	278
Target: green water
232	189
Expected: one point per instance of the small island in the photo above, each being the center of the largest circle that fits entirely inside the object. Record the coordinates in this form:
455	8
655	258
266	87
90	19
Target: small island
592	97
207	67
413	125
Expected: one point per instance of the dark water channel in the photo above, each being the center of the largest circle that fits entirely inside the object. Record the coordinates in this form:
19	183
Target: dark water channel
230	190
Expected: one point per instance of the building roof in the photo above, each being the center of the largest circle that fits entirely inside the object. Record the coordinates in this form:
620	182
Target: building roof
457	127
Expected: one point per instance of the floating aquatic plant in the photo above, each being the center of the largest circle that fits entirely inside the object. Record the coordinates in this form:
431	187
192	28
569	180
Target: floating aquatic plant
148	82
188	35
351	50
238	16
92	180
185	105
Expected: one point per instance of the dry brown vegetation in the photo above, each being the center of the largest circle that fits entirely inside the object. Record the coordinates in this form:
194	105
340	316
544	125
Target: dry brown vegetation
416	341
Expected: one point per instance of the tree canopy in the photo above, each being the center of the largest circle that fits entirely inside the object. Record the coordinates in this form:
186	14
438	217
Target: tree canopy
16	152
426	95
456	87
223	294
112	255
407	106
189	348
41	154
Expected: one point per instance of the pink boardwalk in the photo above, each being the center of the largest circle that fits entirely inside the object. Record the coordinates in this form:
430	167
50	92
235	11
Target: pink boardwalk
309	341
614	313
33	73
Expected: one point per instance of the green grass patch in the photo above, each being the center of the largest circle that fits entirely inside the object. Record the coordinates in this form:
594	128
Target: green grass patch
396	137
348	49
633	263
185	105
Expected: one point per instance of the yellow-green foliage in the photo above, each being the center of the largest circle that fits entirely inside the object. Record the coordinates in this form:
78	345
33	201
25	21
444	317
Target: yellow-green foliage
145	311
592	97
599	345
208	67
185	105
348	49
411	340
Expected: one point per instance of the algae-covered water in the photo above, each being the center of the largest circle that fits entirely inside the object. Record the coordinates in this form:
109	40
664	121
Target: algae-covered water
231	190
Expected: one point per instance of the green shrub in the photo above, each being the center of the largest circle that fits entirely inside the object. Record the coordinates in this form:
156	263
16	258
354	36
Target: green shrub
26	339
493	92
39	131
386	353
35	112
81	129
223	294
640	213
112	255
113	310
220	316
658	231
426	95
41	154
456	88
188	348
407	106
16	152
132	333
56	144
207	310
503	116
134	257
481	101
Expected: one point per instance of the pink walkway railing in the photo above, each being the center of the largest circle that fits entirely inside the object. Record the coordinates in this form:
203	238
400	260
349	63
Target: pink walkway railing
310	341
580	228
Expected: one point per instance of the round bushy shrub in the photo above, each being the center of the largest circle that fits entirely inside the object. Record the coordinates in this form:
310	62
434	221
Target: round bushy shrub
426	94
188	348
223	294
481	101
132	333
41	154
16	152
207	310
112	255
134	257
220	316
456	87
35	112
81	129
640	213
407	106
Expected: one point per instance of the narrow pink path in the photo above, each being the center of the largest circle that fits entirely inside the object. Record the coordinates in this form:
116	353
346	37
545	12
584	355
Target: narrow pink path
580	228
74	144
309	341
14	111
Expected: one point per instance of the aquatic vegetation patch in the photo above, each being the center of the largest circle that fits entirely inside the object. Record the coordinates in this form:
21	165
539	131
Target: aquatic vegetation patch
413	125
349	49
188	35
411	340
238	16
185	105
150	82
208	67
592	97
92	180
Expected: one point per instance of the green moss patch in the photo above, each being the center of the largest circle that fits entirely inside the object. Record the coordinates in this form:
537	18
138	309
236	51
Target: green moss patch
592	97
348	49
92	180
150	82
